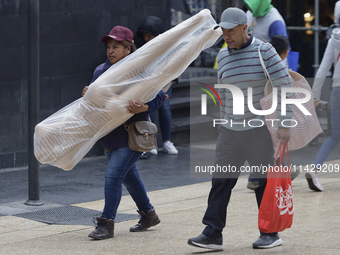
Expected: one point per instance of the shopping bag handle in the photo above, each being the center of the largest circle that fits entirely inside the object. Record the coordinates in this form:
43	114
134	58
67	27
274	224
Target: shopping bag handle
283	148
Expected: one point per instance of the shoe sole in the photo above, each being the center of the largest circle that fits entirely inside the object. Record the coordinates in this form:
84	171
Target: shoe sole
311	183
97	238
293	175
153	153
156	223
170	153
272	245
251	187
207	246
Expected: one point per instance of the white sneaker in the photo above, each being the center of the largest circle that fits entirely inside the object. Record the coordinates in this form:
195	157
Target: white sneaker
313	181
168	147
154	151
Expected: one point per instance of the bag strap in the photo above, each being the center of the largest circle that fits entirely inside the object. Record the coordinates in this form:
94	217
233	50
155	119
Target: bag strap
283	148
262	62
269	86
127	126
278	153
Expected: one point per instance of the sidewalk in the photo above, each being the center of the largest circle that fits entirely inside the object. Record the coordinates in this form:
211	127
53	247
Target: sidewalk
315	230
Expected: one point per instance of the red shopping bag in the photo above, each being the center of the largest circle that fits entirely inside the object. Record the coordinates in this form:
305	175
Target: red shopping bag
276	210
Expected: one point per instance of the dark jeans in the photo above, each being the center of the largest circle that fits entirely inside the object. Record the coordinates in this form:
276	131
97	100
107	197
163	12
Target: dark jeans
164	112
234	148
252	178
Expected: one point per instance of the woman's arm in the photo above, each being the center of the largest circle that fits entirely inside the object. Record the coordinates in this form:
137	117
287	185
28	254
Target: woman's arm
136	106
325	66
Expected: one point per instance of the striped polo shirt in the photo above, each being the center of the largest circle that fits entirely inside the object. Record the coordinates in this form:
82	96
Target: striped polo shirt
242	68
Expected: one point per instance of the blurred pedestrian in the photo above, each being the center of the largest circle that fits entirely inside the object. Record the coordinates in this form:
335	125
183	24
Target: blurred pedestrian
151	27
239	65
281	45
336	24
337	12
330	57
122	168
264	20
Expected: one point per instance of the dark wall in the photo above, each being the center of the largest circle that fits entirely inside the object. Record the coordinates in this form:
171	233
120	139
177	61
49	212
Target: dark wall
70	49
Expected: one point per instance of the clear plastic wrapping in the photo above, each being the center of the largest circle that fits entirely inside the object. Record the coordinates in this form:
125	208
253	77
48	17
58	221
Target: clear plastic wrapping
65	137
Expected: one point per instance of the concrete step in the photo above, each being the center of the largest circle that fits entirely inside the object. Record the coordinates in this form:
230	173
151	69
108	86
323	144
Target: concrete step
195	128
185	105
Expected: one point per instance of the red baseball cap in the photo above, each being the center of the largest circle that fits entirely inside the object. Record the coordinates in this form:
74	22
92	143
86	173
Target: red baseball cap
119	34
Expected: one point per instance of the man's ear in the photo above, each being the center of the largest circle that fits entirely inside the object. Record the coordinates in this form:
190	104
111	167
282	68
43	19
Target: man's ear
245	26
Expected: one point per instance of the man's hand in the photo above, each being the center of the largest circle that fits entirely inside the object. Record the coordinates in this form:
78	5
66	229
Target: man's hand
316	102
283	134
165	97
136	106
84	90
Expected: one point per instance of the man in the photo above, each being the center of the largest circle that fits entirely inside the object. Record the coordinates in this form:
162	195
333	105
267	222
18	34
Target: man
264	22
238	140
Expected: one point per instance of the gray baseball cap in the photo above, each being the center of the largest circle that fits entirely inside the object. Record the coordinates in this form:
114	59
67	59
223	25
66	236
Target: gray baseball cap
232	17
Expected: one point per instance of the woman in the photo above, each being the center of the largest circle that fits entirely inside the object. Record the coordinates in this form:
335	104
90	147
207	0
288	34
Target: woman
151	27
122	167
330	57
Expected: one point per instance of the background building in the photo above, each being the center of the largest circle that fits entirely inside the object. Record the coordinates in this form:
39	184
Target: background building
70	49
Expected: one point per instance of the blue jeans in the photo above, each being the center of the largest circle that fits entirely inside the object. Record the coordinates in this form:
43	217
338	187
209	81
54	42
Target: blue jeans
334	138
122	169
164	112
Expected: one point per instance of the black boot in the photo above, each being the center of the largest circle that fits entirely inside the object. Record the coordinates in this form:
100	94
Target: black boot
104	229
147	220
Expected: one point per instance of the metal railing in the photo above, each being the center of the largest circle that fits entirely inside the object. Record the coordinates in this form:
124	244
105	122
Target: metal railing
316	30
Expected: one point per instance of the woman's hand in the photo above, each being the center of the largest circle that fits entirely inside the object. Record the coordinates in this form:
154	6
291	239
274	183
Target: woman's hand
136	106
84	90
165	97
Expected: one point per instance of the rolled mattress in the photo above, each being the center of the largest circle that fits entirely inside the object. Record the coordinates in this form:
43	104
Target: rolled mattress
65	137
